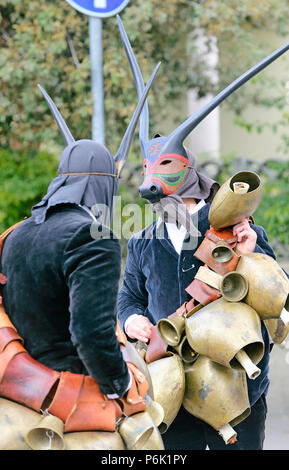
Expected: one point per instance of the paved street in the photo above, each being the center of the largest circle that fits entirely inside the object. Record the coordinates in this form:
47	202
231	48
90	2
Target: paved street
277	428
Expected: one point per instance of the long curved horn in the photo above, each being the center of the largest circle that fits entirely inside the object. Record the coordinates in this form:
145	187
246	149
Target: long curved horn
144	117
123	149
66	134
177	137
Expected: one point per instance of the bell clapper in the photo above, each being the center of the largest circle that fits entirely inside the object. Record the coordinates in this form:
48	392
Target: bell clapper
251	369
285	316
241	188
50	434
228	434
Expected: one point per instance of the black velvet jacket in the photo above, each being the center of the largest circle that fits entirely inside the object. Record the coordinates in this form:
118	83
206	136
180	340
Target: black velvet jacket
61	294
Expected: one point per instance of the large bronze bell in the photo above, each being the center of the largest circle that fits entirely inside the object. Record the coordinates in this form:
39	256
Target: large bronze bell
277	329
130	353
153	441
268	286
229	207
93	440
47	434
17	420
217	395
168	380
171	329
136	429
221	330
155	410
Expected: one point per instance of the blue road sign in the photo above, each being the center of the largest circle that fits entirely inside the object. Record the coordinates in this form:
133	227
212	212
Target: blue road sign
99	8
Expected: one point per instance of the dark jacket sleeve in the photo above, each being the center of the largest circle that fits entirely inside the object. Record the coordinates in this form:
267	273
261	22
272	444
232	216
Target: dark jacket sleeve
262	244
92	271
133	297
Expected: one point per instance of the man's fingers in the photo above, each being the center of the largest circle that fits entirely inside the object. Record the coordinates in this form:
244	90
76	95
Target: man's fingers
243	234
139	333
241	226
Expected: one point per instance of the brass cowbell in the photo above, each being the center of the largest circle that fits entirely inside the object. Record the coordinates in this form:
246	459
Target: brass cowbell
217	395
230	207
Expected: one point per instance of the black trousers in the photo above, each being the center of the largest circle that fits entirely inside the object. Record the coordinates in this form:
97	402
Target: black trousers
190	433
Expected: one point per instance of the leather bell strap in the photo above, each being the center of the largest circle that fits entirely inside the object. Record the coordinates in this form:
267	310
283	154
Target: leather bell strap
79	403
134	400
157	348
202	292
219	235
204	253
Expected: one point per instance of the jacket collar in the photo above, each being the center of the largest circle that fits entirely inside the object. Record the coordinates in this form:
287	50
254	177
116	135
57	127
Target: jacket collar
161	233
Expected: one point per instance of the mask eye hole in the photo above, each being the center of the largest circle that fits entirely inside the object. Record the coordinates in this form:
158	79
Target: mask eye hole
165	162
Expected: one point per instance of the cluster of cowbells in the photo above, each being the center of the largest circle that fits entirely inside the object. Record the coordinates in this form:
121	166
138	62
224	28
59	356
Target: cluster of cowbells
211	347
220	340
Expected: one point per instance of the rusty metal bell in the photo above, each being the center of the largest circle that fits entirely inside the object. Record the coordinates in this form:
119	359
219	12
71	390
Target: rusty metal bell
135	430
268	286
171	329
168	380
15	421
151	418
154	442
217	395
130	353
155	410
229	207
277	329
47	434
93	440
221	330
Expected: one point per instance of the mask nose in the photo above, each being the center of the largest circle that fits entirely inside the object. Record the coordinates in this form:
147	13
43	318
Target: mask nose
153	192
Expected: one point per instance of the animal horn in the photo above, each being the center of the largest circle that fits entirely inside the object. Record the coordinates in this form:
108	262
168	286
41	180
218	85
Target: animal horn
66	134
139	81
177	137
123	149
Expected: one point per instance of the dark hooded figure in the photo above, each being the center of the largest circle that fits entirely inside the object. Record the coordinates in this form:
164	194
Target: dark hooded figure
62	282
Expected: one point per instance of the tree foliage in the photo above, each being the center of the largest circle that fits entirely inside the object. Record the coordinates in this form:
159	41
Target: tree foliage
47	42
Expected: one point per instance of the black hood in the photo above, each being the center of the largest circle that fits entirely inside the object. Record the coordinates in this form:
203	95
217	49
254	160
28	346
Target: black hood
87	176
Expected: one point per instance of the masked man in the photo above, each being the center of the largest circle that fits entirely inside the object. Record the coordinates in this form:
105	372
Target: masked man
161	262
156	274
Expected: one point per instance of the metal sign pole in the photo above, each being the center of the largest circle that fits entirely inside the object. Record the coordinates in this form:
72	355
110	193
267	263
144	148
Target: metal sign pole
96	10
95	35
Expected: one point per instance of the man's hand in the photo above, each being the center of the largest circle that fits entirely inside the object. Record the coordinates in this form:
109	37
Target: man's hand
246	237
140	328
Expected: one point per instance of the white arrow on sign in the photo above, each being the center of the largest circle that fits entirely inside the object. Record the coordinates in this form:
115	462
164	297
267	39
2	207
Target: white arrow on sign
100	3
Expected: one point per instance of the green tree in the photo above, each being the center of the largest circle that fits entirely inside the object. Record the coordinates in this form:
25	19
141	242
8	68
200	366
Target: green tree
47	42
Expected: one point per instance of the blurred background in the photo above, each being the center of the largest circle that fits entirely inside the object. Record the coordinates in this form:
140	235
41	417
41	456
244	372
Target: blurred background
203	45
